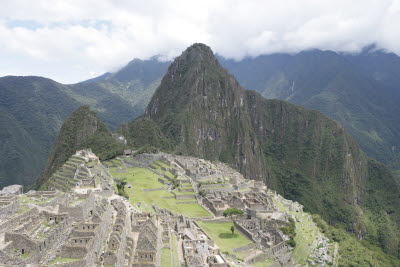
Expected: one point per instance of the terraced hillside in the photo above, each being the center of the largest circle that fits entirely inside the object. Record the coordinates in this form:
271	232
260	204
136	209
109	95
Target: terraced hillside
81	170
68	175
150	181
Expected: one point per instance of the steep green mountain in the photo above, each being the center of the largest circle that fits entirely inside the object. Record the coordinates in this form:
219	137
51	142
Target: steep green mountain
361	91
82	129
33	109
201	110
121	96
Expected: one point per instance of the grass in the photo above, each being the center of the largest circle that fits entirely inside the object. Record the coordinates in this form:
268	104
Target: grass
305	234
175	250
183	193
165	257
168	173
64	260
262	263
142	178
222	235
23	209
25	255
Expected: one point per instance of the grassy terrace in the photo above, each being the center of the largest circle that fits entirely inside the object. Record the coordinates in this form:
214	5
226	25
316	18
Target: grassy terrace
306	232
183	193
168	173
142	178
64	260
262	263
165	257
222	235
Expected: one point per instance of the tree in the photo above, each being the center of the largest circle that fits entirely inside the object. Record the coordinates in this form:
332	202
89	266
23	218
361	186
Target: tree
233	212
233	230
121	182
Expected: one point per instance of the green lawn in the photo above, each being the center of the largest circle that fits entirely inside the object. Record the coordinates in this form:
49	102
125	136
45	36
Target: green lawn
142	178
64	260
262	263
175	250
26	255
165	257
222	235
166	254
158	168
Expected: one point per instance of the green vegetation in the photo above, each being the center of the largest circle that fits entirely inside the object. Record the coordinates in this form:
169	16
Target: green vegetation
141	179
25	255
32	110
222	236
262	263
345	87
354	252
174	248
233	212
290	231
120	184
103	145
165	257
64	260
304	231
305	156
82	129
145	135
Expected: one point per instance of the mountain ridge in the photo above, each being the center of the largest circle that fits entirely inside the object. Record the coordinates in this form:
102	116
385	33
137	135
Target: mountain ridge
204	112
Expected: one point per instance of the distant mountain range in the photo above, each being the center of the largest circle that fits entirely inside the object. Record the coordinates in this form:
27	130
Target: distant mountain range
34	108
362	91
201	110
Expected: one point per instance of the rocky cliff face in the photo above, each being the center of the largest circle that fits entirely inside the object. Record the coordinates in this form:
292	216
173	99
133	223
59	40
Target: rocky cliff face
203	111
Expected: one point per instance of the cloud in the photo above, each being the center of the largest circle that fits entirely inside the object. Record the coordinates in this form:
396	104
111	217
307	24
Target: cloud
73	40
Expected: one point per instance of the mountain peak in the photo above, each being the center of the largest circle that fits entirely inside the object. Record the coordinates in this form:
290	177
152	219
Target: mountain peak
197	54
194	79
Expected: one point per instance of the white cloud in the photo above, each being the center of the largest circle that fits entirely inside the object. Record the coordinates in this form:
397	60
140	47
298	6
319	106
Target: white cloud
73	40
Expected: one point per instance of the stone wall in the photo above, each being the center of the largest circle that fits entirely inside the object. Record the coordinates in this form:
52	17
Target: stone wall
9	209
180	197
261	257
80	211
74	252
123	243
8	261
243	230
21	242
97	244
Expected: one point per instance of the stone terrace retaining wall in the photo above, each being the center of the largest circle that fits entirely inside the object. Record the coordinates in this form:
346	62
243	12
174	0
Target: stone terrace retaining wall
180	197
11	208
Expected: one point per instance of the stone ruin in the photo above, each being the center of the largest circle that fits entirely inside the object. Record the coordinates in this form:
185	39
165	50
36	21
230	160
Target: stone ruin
83	171
12	190
78	228
198	249
148	246
88	225
218	202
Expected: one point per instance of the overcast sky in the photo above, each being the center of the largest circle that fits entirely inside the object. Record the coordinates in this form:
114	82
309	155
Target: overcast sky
74	40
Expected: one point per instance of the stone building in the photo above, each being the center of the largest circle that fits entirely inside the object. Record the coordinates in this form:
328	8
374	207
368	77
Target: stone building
148	245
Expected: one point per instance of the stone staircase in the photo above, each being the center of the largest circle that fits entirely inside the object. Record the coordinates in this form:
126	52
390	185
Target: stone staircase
64	178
